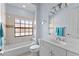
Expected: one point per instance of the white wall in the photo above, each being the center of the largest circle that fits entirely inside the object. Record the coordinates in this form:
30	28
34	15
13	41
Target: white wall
10	38
38	22
42	14
44	9
0	12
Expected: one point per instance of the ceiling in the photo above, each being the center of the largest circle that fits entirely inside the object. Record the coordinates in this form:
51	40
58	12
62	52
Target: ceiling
28	6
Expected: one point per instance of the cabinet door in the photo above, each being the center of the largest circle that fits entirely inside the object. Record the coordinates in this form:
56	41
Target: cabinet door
45	49
71	54
0	54
57	51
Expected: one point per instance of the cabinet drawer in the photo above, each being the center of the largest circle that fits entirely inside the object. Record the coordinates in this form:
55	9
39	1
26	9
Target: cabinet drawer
71	54
0	54
57	51
45	49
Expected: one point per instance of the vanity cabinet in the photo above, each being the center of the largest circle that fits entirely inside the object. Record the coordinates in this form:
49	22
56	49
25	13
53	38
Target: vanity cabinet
47	49
57	51
71	54
0	54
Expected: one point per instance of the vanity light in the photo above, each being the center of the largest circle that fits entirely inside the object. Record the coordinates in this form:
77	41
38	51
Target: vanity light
58	7
23	6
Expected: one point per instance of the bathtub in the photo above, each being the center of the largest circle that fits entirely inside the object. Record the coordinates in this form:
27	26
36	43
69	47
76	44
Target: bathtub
16	49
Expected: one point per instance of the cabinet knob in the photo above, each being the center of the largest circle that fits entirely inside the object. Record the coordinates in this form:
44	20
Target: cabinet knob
51	53
68	34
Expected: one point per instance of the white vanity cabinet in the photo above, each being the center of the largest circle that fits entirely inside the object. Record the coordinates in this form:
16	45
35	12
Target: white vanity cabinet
57	51
71	54
48	49
45	49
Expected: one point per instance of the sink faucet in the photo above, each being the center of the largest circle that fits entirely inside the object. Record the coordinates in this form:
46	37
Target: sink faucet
58	38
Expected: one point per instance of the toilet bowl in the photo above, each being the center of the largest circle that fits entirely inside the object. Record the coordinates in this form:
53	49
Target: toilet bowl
35	50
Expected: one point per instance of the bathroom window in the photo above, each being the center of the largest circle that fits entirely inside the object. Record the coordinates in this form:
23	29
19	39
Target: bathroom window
23	27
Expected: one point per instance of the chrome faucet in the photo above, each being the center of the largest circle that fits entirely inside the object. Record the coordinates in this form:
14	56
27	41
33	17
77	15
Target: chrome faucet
58	38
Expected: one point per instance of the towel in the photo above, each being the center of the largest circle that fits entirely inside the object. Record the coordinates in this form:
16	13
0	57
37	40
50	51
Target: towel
60	31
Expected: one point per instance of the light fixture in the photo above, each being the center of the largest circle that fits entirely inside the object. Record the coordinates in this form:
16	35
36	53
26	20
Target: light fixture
57	8
23	6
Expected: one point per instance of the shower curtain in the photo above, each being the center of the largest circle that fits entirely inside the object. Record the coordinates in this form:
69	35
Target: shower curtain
1	36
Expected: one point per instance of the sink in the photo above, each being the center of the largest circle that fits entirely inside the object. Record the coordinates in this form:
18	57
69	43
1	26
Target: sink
58	42
62	42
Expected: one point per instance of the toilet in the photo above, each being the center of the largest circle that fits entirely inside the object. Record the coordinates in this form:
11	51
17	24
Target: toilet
34	49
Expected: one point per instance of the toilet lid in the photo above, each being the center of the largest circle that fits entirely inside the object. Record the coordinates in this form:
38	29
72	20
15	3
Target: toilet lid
34	46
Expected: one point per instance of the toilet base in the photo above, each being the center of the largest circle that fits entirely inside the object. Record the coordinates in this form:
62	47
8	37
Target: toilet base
35	53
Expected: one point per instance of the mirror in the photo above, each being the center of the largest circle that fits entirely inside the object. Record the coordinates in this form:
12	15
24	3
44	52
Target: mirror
67	17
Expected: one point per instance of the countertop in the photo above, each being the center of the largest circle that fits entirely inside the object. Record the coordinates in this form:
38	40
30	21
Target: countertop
68	46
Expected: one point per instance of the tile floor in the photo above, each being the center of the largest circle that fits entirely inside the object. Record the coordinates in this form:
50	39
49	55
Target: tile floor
26	54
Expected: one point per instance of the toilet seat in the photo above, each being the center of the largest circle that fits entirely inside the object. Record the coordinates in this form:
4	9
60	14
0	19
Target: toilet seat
34	47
